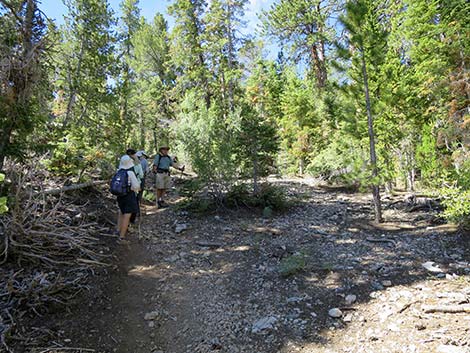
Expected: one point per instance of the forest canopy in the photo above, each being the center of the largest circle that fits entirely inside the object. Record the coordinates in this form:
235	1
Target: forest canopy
365	92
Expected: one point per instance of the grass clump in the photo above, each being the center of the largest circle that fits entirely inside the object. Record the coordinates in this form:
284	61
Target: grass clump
292	265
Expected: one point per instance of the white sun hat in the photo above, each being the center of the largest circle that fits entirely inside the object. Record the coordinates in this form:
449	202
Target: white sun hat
126	162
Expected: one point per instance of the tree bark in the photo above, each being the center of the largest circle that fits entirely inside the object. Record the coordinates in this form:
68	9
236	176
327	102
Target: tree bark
373	155
73	88
255	172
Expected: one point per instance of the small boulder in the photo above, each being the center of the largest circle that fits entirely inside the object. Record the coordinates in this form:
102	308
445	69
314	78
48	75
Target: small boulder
350	299
151	315
335	313
180	227
264	324
429	265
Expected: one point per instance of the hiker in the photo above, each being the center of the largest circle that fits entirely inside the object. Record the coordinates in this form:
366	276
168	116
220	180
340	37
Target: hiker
137	165
139	173
161	166
128	201
145	166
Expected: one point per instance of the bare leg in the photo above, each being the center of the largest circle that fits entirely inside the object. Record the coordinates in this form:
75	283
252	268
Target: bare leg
119	221
125	218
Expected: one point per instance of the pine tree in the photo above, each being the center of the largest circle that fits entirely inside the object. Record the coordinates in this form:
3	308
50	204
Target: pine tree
85	59
24	87
223	21
305	27
129	25
367	40
187	50
152	99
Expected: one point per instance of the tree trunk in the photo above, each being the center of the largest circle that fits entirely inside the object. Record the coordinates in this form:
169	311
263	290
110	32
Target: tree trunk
255	172
230	56
73	88
373	155
4	143
301	166
319	66
142	129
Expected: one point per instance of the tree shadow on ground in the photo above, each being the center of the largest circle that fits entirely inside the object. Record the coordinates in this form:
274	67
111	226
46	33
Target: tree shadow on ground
210	297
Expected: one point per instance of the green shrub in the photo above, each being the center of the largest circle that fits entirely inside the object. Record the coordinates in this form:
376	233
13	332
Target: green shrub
456	201
292	265
268	196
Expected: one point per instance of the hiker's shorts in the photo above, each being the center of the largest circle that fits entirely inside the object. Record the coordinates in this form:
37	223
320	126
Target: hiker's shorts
128	203
163	181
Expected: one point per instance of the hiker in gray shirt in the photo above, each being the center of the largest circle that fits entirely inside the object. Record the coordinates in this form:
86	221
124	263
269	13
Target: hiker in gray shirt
161	166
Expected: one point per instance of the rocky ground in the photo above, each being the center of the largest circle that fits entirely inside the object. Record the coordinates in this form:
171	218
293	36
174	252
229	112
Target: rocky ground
318	278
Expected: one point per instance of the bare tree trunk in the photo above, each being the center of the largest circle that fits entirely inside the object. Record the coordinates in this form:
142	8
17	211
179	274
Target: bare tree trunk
73	89
319	66
4	143
373	155
301	165
230	56
142	129
255	171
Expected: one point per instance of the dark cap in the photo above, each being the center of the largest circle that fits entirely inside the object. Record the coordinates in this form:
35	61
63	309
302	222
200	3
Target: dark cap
131	151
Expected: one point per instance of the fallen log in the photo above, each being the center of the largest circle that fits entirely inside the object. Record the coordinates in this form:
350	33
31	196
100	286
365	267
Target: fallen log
448	309
72	187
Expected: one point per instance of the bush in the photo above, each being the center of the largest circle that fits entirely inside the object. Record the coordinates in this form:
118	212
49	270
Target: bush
269	196
457	205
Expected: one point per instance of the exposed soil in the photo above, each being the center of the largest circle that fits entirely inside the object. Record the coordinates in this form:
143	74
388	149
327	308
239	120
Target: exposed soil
237	282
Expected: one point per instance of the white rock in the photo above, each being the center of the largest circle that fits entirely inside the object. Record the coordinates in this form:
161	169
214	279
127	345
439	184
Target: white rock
266	323
350	298
151	315
348	318
450	349
294	299
180	227
431	268
387	283
335	312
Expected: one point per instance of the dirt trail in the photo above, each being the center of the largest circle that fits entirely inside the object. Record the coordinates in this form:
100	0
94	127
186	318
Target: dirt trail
220	282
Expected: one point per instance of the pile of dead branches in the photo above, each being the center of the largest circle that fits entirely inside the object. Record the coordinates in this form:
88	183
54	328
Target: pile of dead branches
49	246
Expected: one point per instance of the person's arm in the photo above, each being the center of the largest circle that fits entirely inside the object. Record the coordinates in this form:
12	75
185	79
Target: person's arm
174	163
145	166
135	185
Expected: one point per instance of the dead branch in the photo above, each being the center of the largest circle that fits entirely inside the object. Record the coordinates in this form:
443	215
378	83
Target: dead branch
53	239
382	240
72	187
448	309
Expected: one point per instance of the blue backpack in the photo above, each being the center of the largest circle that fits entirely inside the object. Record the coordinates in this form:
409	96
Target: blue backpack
120	183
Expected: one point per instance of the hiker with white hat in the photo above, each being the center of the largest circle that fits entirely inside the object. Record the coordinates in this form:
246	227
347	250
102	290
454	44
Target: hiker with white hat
125	185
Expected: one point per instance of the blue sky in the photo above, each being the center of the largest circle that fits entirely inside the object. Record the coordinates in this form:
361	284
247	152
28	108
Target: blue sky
55	9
